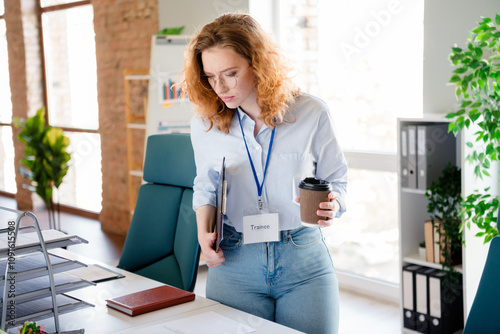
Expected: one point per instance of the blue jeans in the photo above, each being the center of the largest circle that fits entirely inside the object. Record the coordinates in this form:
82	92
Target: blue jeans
292	282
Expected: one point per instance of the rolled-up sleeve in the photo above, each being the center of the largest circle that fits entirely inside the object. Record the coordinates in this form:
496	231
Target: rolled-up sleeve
330	161
205	182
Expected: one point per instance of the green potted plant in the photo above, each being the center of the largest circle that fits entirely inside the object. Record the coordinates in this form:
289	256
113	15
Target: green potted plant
45	161
477	80
444	206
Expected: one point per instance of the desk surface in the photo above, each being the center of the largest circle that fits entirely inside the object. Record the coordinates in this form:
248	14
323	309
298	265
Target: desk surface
100	319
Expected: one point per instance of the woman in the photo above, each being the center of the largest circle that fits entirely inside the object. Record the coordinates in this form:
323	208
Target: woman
249	112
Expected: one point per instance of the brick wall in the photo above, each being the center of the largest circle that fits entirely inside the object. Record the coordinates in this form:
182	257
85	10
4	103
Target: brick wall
123	31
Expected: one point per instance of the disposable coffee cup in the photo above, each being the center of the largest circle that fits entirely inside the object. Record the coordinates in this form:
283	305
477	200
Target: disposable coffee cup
312	192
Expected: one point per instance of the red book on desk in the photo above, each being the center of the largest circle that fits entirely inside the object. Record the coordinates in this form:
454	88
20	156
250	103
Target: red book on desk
150	300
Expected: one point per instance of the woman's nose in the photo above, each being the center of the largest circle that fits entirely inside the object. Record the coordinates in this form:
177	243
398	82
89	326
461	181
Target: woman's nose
220	87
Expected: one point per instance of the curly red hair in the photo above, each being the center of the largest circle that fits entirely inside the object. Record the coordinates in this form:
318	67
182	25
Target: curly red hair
240	32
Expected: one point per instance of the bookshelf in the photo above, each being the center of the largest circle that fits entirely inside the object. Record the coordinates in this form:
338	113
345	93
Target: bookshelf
136	101
413	211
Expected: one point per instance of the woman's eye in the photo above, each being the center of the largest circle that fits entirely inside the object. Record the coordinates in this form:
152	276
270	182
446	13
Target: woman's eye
230	75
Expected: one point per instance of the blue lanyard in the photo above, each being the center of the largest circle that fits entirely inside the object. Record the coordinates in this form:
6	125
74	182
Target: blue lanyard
259	186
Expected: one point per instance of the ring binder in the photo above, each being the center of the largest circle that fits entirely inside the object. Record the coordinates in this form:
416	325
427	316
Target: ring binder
409	296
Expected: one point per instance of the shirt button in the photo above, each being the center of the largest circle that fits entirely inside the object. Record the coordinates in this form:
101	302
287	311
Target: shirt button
257	148
258	174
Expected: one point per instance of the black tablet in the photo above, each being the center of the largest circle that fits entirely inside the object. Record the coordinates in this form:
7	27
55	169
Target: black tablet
221	205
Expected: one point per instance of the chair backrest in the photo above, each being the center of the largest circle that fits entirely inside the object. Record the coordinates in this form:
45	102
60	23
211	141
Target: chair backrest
162	241
484	315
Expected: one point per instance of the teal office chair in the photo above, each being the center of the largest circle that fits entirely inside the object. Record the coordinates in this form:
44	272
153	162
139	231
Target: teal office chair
484	315
162	242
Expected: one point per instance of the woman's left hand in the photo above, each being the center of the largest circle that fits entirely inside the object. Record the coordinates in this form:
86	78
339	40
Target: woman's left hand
328	210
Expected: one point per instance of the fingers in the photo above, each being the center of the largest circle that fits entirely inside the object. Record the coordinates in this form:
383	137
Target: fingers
212	259
328	210
325	223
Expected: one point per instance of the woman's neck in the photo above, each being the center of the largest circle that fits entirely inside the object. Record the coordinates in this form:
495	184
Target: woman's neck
254	114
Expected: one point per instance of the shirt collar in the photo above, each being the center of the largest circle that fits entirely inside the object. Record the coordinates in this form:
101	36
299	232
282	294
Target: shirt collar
245	118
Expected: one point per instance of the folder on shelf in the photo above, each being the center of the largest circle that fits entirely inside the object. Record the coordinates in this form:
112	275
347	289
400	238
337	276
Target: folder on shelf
436	147
437	243
404	156
442	244
429	241
422	298
412	156
409	296
445	304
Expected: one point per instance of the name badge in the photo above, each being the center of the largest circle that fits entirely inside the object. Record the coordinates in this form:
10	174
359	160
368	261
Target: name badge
261	228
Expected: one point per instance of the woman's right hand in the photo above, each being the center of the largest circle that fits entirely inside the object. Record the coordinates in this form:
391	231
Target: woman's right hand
211	258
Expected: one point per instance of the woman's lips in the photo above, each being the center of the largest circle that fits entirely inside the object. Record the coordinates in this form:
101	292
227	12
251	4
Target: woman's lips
227	99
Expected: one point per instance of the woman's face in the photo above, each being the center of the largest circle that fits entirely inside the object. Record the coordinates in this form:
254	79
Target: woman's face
230	77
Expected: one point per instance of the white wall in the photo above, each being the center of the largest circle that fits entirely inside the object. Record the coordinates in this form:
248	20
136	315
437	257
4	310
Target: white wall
193	14
447	23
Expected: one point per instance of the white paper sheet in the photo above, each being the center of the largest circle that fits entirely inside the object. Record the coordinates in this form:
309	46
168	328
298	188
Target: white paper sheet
206	323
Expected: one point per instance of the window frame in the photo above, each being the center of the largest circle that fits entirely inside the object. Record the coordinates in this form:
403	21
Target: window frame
43	10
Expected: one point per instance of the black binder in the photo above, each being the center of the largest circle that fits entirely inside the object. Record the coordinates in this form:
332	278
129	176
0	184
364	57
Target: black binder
446	313
412	156
409	296
422	293
436	147
404	171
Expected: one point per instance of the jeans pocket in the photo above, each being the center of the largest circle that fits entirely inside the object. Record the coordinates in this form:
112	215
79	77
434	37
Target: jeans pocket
231	240
305	237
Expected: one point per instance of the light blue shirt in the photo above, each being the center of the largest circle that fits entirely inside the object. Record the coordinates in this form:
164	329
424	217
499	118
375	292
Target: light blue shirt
304	146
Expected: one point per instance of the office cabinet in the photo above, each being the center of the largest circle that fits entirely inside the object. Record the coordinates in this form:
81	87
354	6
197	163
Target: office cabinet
424	149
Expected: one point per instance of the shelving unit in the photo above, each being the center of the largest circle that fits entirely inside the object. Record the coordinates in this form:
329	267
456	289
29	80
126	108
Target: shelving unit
168	110
26	296
136	83
413	212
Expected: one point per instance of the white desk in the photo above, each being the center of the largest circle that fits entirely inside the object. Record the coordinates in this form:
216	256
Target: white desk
102	320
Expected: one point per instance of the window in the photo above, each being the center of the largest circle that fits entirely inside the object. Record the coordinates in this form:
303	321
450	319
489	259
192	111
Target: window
364	58
70	65
71	82
7	172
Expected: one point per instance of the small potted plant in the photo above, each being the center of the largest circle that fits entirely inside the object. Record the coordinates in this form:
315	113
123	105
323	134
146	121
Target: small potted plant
421	249
45	161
